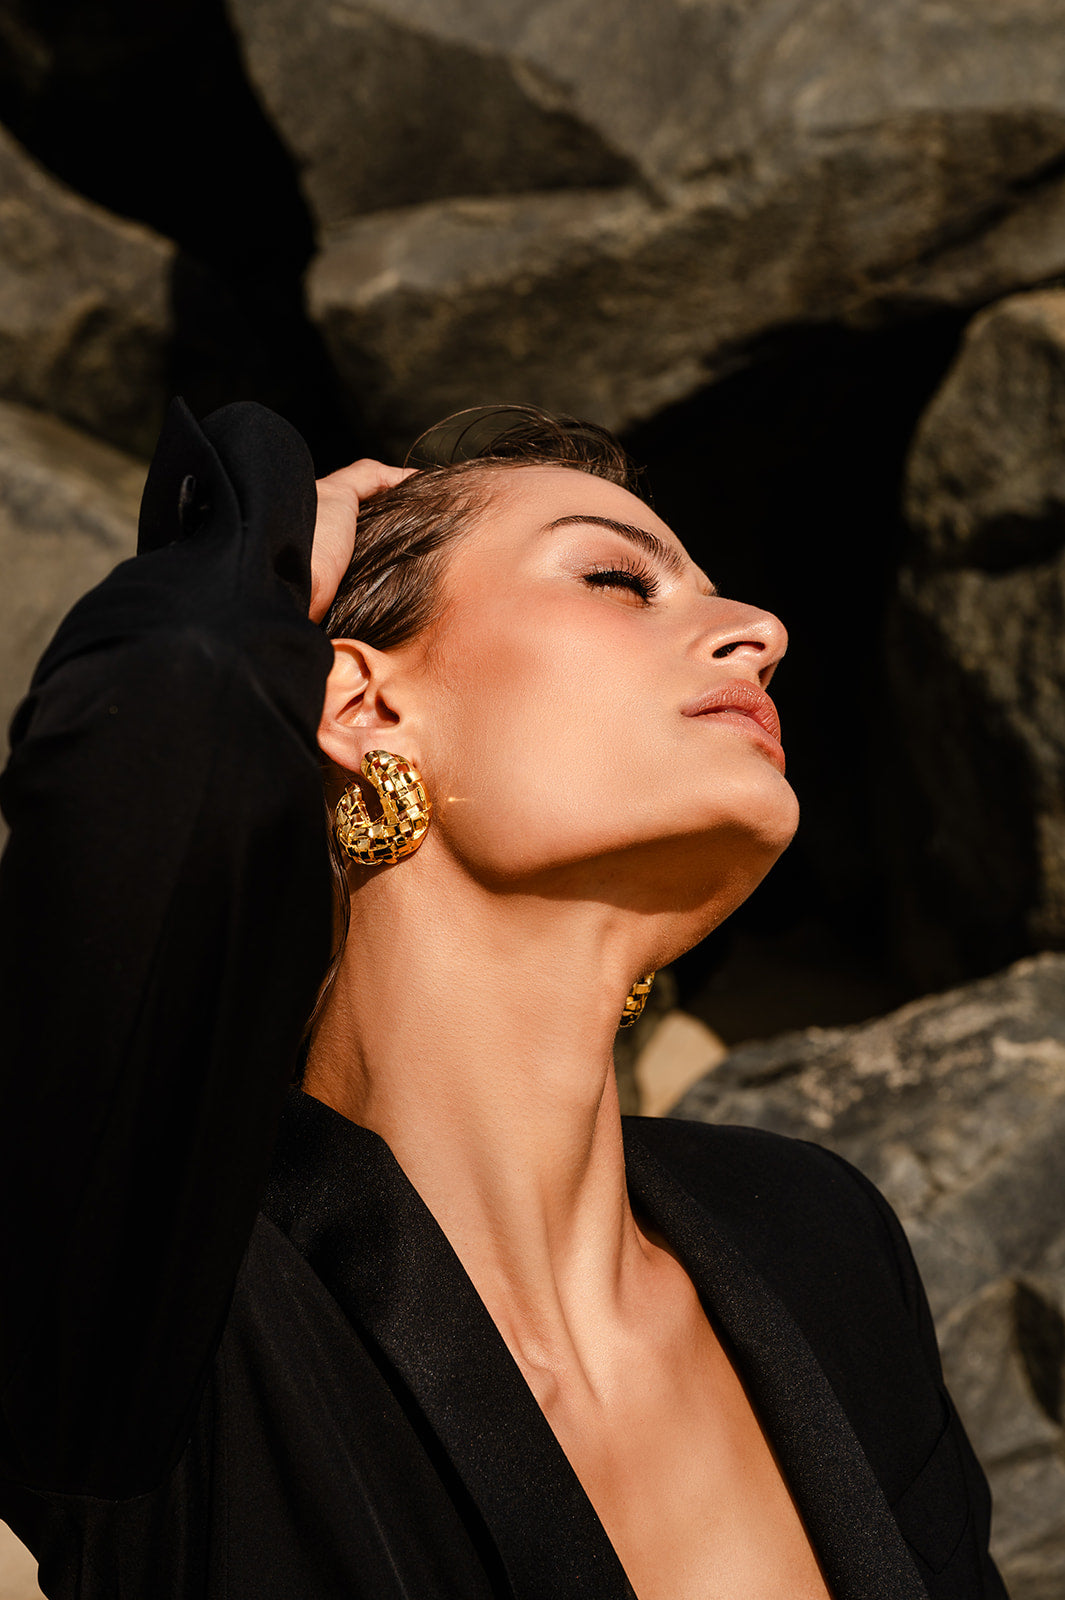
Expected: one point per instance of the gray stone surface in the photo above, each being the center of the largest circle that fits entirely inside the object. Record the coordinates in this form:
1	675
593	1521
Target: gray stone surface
390	104
976	650
955	1107
85	312
985	482
68	514
1004	1361
601	210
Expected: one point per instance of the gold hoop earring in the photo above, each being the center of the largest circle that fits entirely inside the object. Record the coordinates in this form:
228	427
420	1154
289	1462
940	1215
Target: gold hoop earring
405	812
635	1000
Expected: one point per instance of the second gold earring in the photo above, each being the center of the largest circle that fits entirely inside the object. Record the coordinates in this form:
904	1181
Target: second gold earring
635	1000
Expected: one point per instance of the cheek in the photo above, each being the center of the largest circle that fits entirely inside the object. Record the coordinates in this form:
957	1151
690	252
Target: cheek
536	725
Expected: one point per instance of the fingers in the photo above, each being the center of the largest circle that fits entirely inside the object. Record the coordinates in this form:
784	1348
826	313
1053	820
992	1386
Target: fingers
339	497
362	479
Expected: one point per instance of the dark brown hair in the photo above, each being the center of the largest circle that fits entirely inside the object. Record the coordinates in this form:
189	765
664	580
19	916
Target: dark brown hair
391	591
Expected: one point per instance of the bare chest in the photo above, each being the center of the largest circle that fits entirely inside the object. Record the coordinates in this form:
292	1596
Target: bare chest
688	1490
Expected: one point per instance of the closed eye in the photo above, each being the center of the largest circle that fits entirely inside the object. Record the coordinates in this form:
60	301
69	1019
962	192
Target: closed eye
635	577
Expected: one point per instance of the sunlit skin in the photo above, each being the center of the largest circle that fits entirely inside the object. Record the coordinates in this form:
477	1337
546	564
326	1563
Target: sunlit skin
587	828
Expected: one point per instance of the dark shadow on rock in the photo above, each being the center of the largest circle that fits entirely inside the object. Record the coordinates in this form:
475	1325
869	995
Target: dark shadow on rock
962	840
147	111
1041	1340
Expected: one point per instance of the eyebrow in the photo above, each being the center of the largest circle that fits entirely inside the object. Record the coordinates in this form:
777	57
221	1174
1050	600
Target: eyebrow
643	538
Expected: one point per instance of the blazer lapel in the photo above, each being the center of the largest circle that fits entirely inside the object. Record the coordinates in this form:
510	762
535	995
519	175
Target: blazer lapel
340	1195
847	1517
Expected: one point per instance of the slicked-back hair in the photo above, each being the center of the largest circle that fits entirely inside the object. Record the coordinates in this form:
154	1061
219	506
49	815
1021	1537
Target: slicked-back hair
391	590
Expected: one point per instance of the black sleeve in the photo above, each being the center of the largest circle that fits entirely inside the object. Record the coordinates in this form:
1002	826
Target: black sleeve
164	924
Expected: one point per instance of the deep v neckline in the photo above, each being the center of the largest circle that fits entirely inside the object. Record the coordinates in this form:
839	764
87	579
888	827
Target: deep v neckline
339	1194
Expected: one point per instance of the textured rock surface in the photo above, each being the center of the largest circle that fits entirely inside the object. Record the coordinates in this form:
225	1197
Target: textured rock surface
85	316
976	649
68	514
391	104
628	202
986	477
955	1107
1004	1360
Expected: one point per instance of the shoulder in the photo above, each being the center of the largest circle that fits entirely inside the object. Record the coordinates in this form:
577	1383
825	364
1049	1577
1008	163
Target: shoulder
745	1166
810	1222
825	1240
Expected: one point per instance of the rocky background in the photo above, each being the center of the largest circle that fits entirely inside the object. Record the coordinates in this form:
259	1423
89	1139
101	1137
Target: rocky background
808	256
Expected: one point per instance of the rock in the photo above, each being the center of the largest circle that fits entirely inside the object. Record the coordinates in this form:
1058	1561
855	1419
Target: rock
679	1052
955	1107
391	104
1004	1362
434	308
68	514
601	213
985	484
85	313
975	652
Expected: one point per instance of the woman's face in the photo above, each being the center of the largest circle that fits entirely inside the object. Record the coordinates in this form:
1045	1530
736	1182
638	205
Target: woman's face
592	714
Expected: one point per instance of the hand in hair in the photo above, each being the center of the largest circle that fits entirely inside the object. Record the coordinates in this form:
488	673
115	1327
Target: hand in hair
339	497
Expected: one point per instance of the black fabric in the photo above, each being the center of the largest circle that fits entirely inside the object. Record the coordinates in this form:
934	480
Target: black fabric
238	1358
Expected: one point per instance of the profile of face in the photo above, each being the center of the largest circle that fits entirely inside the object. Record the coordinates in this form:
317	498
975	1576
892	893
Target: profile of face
588	714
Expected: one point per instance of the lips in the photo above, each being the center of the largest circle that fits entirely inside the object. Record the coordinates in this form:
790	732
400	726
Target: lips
740	697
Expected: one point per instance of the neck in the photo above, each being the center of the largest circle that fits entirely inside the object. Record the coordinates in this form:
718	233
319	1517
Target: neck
474	1032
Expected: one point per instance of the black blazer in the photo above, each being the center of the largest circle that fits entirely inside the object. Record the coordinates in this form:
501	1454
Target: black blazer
238	1357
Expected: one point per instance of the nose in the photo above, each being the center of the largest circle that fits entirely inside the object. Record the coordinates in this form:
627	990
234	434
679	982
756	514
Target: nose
744	634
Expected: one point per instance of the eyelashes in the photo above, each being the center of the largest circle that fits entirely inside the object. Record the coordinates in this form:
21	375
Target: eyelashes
640	580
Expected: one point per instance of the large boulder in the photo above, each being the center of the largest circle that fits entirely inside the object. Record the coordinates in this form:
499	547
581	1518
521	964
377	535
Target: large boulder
955	1107
600	211
68	514
976	653
985	483
85	307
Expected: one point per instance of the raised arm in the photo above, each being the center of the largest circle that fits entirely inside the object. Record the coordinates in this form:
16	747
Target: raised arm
164	923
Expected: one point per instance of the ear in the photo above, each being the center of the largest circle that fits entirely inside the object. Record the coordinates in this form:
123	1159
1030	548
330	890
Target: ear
361	710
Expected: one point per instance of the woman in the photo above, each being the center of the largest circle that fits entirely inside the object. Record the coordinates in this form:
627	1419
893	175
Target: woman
431	1324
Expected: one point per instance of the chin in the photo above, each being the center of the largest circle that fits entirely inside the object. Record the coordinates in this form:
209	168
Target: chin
775	818
742	841
756	808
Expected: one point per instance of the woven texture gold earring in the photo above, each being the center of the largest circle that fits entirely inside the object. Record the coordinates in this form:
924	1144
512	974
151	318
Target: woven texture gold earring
635	1000
405	812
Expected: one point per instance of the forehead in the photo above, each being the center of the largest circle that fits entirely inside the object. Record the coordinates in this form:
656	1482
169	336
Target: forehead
524	501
